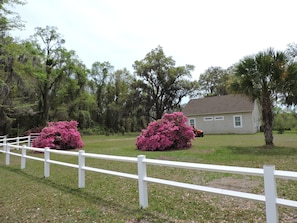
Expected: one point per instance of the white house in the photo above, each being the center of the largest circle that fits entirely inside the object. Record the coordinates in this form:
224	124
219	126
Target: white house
227	114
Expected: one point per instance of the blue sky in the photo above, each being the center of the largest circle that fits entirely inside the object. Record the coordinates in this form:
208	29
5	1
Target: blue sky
201	33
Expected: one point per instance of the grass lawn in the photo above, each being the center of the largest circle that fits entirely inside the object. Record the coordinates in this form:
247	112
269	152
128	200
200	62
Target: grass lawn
26	196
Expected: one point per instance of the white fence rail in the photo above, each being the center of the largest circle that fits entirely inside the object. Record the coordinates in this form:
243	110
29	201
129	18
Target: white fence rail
16	141
268	172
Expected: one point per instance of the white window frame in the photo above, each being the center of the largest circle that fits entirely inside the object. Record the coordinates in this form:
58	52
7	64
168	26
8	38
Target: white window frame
234	121
194	120
219	118
208	118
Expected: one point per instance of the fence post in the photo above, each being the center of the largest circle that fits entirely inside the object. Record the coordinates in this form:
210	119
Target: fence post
46	163
23	159
270	194
18	142
29	140
7	156
81	171
142	184
4	142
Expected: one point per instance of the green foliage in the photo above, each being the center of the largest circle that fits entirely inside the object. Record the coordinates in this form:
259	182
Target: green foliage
16	88
214	81
160	85
285	120
9	19
54	63
263	77
290	85
99	74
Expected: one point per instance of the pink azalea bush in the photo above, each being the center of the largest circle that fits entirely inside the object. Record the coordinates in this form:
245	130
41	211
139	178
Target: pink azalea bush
59	135
170	132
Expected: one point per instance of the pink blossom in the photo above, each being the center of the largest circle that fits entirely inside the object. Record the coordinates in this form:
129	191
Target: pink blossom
59	135
170	132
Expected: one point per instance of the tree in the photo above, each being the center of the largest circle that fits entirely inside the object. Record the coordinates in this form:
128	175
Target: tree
159	85
214	82
53	59
262	78
290	86
12	84
115	100
7	22
17	88
284	120
99	74
292	51
72	101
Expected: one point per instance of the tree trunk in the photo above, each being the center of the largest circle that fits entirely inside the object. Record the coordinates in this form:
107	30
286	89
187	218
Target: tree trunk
267	116
44	105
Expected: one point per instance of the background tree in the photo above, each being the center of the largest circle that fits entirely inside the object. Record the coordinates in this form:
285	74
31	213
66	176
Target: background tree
16	86
290	86
214	82
292	51
117	93
72	101
15	92
99	75
262	77
285	119
9	19
159	85
53	58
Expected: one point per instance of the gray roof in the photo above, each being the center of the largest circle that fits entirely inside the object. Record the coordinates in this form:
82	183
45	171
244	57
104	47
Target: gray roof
218	105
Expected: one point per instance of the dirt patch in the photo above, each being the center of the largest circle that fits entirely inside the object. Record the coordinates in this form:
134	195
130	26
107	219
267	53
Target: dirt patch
234	204
204	151
238	184
246	184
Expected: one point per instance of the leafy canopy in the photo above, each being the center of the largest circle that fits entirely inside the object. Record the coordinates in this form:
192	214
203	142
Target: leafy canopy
160	85
265	77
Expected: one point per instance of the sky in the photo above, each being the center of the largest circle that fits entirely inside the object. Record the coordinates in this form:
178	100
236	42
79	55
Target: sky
197	32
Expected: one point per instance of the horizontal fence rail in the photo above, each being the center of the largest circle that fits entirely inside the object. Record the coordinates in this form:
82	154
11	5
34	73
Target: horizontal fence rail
268	173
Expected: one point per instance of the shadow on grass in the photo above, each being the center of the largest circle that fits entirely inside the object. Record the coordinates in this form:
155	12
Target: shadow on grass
139	213
263	150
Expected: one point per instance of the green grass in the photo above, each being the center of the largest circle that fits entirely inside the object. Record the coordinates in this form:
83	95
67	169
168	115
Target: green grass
26	196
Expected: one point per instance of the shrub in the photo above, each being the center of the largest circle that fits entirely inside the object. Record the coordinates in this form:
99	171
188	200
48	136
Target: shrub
59	135
170	132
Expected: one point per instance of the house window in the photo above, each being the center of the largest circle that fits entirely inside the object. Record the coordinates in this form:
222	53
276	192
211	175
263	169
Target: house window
208	118
219	118
192	122
237	121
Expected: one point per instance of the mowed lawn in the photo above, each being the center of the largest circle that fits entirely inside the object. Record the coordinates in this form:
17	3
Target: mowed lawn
26	196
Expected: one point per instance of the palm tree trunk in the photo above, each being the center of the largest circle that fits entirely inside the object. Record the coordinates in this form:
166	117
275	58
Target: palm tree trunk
267	116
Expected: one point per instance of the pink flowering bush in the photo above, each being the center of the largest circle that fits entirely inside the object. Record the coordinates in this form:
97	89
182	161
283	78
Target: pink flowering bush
170	132
59	135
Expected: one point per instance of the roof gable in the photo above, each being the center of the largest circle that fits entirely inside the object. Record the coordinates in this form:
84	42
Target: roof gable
218	105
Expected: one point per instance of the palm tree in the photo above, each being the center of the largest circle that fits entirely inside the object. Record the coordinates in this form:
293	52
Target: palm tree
261	77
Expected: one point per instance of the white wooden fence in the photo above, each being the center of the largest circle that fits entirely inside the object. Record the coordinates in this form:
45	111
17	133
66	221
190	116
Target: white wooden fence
16	141
268	172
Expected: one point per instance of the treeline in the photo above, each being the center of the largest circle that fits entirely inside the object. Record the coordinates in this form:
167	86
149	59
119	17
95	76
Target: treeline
42	81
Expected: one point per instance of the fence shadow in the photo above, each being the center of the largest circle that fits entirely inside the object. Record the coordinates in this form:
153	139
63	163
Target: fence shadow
82	193
263	150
